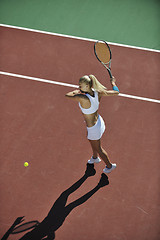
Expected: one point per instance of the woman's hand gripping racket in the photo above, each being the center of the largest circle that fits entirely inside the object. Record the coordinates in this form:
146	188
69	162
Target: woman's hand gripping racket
103	54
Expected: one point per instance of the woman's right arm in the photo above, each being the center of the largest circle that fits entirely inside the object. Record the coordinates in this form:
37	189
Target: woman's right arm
74	95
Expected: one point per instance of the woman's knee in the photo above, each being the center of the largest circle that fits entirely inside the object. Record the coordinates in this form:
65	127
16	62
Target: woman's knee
100	150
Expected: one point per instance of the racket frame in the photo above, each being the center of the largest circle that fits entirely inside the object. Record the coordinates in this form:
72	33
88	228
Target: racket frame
108	63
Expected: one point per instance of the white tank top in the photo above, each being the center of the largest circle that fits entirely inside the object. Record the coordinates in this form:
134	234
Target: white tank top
94	104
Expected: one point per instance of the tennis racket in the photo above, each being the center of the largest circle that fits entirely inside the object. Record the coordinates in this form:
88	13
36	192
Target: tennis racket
103	54
25	226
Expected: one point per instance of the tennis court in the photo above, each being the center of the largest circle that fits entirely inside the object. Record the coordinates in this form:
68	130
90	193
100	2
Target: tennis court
40	126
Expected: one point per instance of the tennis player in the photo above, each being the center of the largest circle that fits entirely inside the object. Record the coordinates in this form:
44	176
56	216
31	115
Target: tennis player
88	96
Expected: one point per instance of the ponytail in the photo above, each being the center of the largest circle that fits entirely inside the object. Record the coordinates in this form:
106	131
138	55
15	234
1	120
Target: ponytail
96	84
92	81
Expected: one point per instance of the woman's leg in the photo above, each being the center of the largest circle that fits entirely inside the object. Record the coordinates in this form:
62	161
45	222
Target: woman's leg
95	154
96	147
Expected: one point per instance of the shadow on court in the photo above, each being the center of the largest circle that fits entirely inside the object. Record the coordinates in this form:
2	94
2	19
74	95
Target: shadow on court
59	211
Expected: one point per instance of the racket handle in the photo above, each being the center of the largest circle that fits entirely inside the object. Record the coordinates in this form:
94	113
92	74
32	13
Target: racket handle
109	71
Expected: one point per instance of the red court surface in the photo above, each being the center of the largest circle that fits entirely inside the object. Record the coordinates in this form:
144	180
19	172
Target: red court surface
40	126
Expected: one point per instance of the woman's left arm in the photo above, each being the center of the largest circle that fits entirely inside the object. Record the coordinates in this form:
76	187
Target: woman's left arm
110	93
114	91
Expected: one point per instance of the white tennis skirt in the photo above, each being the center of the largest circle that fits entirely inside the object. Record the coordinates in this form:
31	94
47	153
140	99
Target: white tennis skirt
96	132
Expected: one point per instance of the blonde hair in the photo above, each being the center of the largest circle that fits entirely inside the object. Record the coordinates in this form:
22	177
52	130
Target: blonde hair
93	82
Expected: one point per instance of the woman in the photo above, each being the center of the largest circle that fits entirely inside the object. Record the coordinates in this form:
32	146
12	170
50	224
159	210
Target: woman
89	95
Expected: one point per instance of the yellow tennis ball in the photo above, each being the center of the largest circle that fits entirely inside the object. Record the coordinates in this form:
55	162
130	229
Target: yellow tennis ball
26	164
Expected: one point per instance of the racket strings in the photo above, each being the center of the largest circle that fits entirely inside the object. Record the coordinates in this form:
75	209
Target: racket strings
103	52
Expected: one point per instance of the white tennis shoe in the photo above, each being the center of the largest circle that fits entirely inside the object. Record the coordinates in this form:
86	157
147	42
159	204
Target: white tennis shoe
94	160
108	170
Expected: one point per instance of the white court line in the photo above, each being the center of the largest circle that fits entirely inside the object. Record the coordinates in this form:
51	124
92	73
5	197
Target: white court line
74	86
79	38
38	79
